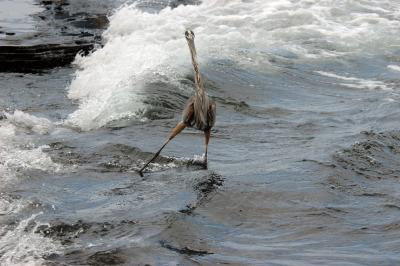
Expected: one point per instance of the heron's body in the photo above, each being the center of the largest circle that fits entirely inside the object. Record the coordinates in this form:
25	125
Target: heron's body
200	109
200	106
201	120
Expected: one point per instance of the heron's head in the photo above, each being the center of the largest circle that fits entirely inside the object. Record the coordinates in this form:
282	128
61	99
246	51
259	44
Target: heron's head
189	35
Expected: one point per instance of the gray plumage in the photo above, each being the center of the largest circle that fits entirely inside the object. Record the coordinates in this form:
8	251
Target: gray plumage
200	109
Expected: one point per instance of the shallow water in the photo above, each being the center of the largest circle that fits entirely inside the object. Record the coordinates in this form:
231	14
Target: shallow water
15	18
303	160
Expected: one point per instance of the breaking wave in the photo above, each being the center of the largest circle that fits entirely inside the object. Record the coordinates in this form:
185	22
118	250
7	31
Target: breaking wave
358	83
17	151
23	246
143	47
19	244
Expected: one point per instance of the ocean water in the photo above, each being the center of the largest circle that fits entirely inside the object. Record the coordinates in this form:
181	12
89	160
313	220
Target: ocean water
16	20
303	160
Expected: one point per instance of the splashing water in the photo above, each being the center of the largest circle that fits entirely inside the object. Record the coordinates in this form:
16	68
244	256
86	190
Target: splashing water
143	47
21	245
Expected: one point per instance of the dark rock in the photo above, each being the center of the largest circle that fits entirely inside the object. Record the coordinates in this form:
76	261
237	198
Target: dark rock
68	233
176	3
209	184
372	158
185	250
86	34
54	2
188	209
96	22
50	256
46	2
37	57
109	257
61	15
204	188
58	145
64	28
61	229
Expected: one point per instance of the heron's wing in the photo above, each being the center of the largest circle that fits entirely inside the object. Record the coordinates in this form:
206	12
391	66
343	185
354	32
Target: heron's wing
188	111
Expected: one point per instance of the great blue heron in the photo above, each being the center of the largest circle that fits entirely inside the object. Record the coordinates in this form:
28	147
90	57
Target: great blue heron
199	111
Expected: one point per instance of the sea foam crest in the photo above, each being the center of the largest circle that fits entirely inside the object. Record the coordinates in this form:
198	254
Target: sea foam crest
22	246
17	152
19	244
358	83
38	125
142	47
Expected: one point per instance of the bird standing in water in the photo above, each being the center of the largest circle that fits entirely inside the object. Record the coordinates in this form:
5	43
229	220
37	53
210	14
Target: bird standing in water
200	109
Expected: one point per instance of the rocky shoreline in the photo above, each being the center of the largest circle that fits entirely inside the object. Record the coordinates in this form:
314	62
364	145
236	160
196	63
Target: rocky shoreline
39	57
62	29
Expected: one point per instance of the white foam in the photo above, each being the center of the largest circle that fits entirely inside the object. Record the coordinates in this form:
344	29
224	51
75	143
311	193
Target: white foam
22	246
176	162
154	167
357	83
36	124
394	67
142	47
9	205
29	159
17	151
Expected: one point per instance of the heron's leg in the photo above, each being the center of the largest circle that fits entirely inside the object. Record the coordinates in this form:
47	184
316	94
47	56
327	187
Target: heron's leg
207	134
178	128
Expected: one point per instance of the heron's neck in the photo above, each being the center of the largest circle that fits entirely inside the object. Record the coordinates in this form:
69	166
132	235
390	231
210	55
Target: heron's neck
197	76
